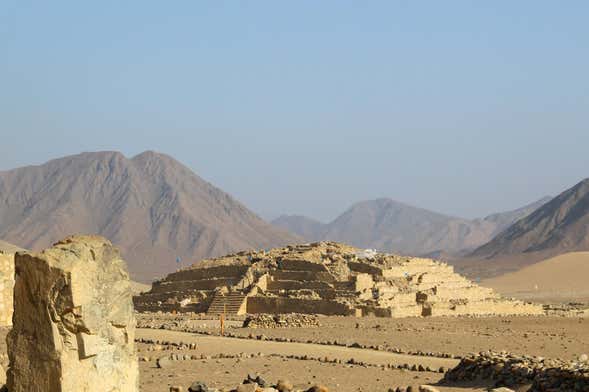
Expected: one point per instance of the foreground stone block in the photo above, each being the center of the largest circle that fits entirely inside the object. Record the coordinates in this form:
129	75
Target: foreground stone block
6	288
73	325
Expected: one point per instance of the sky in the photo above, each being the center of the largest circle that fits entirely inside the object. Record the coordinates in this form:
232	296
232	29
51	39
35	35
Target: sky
305	107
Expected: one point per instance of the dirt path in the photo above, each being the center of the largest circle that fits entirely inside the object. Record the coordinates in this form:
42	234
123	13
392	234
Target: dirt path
209	345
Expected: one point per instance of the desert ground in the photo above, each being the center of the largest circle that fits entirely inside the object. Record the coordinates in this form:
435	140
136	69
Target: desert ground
345	354
552	337
306	356
560	278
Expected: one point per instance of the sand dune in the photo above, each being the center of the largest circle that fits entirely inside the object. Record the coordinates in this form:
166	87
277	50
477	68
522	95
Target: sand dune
564	277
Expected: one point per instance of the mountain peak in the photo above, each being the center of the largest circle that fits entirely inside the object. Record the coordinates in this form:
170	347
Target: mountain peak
561	223
151	206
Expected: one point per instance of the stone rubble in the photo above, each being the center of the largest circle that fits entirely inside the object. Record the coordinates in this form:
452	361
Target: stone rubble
292	320
510	370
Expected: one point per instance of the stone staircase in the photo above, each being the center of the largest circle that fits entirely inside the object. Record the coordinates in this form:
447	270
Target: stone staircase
228	303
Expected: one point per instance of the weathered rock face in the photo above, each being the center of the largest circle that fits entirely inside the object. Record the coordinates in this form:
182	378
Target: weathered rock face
6	288
73	325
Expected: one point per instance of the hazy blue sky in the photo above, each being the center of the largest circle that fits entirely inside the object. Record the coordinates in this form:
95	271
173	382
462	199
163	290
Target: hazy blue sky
465	107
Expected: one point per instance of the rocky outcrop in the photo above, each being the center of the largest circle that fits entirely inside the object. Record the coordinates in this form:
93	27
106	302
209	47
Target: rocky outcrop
73	326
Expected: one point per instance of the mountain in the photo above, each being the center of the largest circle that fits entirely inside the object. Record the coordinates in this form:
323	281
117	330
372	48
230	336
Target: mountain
307	228
392	226
503	220
151	206
9	248
559	226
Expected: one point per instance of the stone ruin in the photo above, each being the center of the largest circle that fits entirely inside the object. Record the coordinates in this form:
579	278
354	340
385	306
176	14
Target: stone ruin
6	288
73	326
324	278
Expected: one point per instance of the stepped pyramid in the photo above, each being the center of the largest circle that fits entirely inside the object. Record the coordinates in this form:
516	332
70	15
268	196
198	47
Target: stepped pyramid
325	278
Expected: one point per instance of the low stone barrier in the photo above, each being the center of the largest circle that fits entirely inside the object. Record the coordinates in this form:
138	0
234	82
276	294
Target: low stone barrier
293	320
509	370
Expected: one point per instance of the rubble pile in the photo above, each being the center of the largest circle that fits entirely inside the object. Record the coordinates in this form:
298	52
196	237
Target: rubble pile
292	320
509	370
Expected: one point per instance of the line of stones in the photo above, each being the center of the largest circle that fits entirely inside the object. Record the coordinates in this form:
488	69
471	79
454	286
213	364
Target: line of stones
320	342
326	359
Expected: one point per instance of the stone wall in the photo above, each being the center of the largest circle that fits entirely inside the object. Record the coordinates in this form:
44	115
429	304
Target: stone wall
278	305
193	289
6	288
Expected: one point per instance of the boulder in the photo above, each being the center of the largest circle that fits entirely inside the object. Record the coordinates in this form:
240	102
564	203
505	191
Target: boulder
198	386
251	387
318	388
284	386
73	325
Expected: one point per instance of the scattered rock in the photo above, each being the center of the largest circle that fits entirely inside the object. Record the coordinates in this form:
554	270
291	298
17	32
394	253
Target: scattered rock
163	362
509	370
198	386
284	386
318	388
250	387
292	320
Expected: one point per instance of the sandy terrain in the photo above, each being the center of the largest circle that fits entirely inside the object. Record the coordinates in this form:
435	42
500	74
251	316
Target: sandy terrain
230	372
564	277
556	337
553	337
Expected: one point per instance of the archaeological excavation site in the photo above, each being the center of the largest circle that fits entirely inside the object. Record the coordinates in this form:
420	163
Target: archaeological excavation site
325	278
318	317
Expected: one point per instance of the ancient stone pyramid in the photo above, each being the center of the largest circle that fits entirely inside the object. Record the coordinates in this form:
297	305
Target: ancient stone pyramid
325	278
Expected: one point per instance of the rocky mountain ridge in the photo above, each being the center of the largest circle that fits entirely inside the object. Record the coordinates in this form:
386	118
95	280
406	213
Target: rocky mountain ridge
156	210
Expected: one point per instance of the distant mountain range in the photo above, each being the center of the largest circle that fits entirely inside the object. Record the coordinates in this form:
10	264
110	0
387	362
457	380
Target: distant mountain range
151	206
561	225
388	225
159	212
